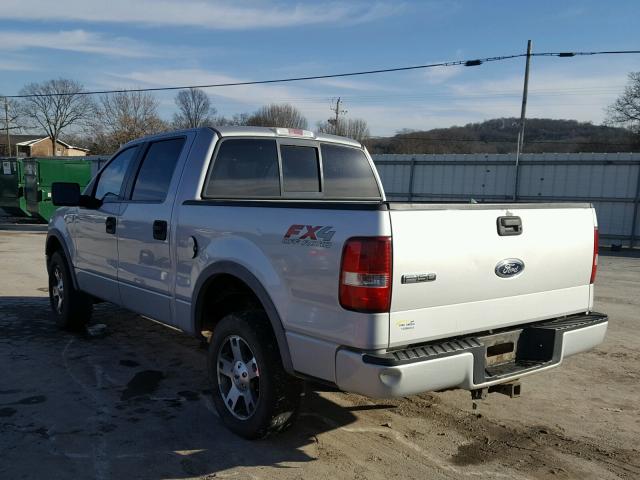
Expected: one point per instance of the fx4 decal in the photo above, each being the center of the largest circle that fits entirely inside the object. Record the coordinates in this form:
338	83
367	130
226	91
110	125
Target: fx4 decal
309	236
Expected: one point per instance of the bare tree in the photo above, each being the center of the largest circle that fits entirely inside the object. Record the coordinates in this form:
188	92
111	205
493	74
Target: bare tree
83	140
326	126
124	116
238	119
10	114
355	128
625	111
278	115
194	109
56	105
10	121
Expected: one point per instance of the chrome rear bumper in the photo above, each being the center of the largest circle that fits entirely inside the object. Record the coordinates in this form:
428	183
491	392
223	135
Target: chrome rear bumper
462	362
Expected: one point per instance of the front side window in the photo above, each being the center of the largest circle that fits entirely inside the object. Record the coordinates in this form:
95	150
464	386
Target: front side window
245	168
111	178
300	171
347	173
157	169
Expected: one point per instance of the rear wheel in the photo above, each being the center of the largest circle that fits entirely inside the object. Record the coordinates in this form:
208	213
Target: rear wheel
71	308
252	393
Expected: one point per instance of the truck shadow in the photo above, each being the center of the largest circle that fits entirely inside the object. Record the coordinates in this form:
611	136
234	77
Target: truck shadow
128	400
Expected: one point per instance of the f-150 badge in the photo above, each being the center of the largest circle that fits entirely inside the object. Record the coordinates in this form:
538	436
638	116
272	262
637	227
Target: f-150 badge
509	267
309	235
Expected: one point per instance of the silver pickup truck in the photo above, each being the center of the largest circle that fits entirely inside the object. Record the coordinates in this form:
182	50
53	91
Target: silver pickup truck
279	248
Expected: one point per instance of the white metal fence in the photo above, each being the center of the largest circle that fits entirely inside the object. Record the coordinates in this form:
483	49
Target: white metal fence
611	181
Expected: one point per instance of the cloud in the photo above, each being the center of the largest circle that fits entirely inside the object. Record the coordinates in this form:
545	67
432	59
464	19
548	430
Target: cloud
340	84
17	66
312	98
213	14
438	75
383	119
562	93
570	13
566	94
578	94
73	40
246	97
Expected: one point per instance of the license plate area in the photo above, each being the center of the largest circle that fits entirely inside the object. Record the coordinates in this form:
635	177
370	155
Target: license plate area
507	353
501	347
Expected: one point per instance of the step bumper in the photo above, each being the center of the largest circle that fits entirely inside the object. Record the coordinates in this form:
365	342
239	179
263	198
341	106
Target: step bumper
462	362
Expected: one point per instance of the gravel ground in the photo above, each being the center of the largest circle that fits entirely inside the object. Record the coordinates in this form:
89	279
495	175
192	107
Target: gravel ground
134	404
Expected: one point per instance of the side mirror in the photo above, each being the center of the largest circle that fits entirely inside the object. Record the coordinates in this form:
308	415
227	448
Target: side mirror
65	194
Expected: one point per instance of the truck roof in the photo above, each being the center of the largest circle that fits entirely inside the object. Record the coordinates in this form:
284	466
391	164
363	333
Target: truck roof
237	131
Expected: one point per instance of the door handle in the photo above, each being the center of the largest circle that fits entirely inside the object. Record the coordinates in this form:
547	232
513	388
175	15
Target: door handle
160	229
110	225
508	226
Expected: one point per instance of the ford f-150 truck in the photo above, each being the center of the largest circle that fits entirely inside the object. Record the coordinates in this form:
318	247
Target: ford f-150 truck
279	248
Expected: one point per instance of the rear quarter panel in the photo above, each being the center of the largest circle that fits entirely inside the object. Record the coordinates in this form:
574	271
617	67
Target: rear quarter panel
300	275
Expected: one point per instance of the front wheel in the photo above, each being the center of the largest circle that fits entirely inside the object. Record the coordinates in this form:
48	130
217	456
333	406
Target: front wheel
71	308
252	393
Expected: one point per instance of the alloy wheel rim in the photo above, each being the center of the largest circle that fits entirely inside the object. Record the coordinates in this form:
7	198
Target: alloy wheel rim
57	290
238	377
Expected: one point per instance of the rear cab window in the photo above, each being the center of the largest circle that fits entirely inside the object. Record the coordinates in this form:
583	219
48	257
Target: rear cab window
257	168
245	168
347	173
300	169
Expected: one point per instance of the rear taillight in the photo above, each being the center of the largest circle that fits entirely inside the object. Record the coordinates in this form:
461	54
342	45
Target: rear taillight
365	274
594	263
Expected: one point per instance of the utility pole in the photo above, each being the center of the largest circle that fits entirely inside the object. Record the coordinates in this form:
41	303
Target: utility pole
523	114
6	125
336	120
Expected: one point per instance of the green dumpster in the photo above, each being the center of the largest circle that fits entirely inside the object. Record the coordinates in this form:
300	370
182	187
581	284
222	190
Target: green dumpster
12	187
40	173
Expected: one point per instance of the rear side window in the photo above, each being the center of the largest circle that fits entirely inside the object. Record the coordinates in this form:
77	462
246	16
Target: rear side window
347	173
110	181
245	168
300	171
157	169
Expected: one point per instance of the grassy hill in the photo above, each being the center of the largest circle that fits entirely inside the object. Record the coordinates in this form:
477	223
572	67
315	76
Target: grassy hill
499	136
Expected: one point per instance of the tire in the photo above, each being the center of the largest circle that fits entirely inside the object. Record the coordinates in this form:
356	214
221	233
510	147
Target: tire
70	308
243	355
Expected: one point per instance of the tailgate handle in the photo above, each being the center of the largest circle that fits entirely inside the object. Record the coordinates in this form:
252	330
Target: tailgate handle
509	226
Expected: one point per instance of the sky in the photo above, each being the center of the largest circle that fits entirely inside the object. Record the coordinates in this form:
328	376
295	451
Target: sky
152	43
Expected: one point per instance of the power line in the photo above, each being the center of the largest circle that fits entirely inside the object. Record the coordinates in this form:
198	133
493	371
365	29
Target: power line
467	63
412	98
582	91
576	54
280	80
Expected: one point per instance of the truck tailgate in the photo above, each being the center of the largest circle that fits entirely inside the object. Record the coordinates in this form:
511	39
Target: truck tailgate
449	254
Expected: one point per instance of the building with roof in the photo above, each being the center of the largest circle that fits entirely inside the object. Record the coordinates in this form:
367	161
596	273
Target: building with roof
38	146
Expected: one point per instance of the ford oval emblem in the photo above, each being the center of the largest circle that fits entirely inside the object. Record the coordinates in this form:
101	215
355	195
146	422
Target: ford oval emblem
509	267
